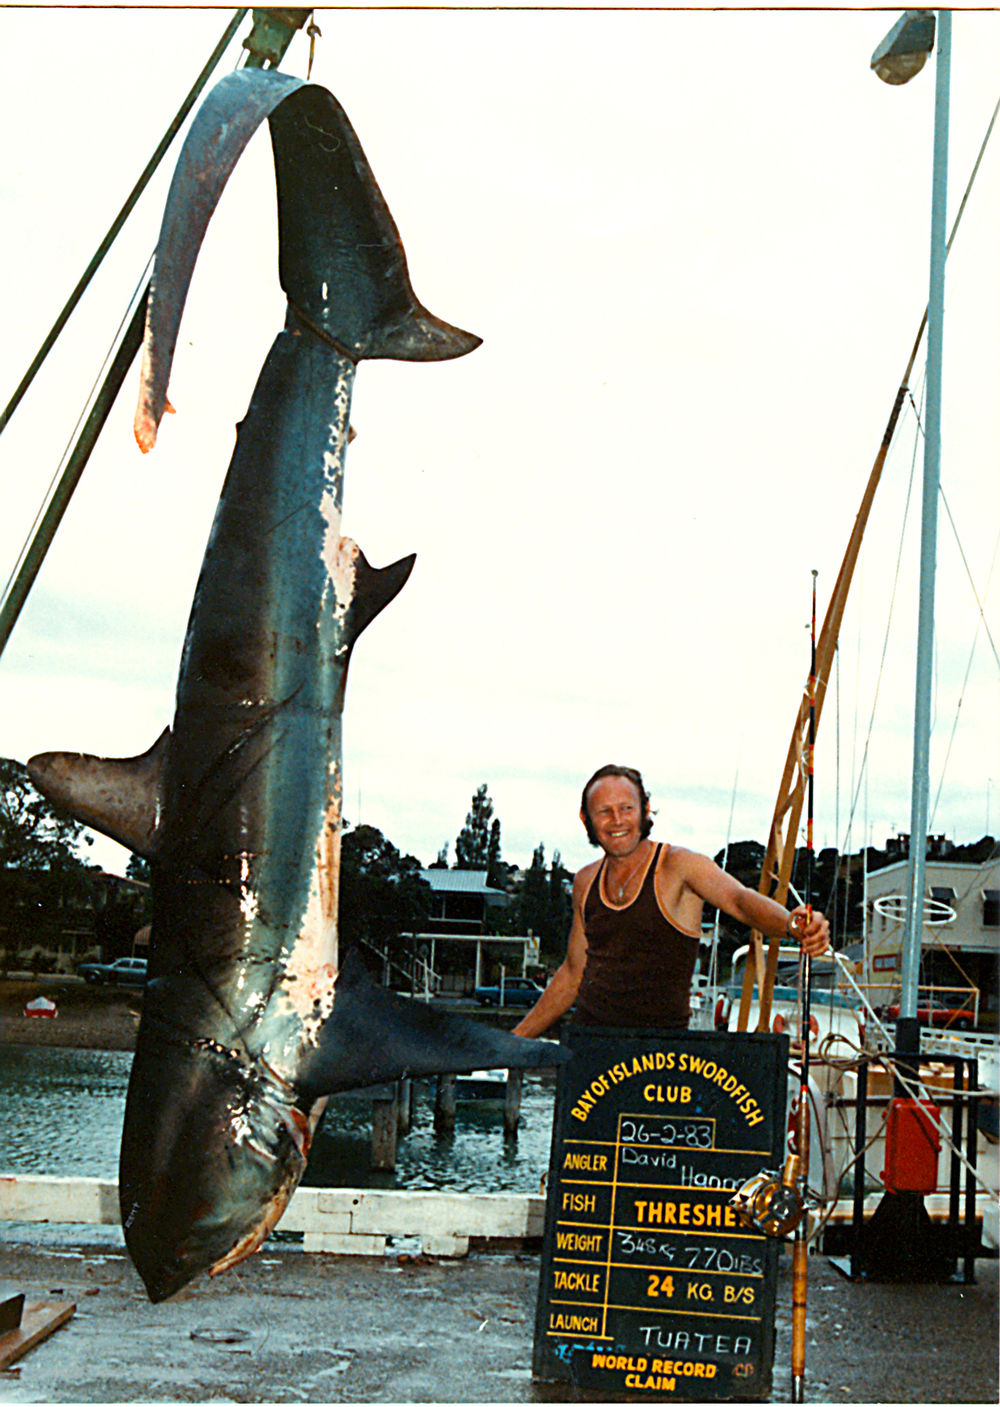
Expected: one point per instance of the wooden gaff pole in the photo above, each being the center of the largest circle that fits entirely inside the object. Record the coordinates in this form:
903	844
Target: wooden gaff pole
800	1247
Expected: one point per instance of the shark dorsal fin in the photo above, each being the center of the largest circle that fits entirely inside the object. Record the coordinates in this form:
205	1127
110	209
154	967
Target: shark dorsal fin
367	589
119	796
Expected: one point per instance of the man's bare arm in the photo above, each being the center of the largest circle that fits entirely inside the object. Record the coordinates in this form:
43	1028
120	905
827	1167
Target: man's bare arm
714	886
560	994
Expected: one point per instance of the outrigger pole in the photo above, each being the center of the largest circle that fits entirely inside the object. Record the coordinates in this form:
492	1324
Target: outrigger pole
779	857
800	1246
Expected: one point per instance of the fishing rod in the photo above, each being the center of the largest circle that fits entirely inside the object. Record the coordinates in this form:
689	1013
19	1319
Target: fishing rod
775	1203
800	1249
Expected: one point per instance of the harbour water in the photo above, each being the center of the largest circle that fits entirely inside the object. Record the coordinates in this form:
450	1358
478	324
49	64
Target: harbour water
61	1115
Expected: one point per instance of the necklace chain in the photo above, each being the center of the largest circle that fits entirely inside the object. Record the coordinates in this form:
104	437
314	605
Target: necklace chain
624	884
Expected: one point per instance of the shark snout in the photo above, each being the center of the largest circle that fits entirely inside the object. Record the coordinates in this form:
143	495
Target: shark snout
208	1164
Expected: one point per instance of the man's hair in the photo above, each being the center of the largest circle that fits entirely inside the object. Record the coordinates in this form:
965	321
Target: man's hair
631	775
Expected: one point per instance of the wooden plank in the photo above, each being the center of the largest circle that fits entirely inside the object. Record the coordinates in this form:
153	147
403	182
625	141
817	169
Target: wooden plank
37	1322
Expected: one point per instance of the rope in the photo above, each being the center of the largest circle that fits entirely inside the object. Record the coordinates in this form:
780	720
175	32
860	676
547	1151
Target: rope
916	1086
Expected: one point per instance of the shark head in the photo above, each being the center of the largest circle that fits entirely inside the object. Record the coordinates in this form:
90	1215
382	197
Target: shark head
212	1149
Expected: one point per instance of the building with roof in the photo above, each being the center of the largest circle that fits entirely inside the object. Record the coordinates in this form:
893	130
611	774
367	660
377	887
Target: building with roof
961	934
456	952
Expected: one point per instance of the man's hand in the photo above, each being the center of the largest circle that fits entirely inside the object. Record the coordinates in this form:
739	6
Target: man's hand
812	932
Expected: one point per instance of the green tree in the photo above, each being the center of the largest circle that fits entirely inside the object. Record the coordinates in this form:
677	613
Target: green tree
533	897
472	845
496	870
33	833
382	895
543	905
41	874
560	900
137	868
743	861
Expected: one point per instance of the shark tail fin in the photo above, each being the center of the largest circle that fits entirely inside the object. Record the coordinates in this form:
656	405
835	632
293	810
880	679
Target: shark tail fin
372	1036
341	261
121	797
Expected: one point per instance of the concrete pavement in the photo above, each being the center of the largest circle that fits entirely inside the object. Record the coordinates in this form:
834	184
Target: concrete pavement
288	1326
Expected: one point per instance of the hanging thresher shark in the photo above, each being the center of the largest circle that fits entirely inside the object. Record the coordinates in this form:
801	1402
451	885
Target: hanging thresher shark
249	1018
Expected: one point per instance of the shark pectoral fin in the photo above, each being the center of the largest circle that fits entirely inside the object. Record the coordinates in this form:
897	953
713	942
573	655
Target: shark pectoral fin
373	1035
372	588
121	797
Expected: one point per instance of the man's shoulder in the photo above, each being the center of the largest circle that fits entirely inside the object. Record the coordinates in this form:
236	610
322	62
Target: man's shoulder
682	853
584	876
680	860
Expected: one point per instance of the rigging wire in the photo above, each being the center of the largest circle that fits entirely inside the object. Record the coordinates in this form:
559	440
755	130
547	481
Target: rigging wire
951	239
968	667
713	975
982	612
888	626
139	292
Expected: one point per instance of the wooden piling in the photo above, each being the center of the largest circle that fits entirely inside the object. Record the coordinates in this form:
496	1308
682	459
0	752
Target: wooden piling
444	1104
512	1103
404	1114
385	1123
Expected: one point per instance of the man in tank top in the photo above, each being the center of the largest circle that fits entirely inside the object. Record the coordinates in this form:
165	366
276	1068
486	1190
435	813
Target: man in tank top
637	918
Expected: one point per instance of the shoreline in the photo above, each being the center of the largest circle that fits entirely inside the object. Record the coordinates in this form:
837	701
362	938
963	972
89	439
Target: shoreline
87	1018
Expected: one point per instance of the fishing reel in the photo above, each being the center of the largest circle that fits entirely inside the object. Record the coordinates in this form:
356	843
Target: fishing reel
771	1202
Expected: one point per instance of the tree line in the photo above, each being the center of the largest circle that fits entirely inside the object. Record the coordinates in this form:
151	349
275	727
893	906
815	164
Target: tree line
47	886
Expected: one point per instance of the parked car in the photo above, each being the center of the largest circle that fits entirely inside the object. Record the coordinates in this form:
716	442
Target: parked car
936	1013
517	991
123	972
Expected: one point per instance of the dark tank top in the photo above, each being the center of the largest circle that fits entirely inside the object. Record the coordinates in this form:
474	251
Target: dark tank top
639	966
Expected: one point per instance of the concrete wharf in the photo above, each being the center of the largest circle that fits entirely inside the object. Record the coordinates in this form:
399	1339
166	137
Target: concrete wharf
290	1325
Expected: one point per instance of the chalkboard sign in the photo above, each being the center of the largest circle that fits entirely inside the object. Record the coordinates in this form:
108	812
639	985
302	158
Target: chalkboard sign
650	1284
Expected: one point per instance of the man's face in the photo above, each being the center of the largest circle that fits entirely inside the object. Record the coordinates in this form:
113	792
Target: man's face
616	815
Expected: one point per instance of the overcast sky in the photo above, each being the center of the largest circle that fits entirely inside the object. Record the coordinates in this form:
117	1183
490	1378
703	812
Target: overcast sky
695	245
